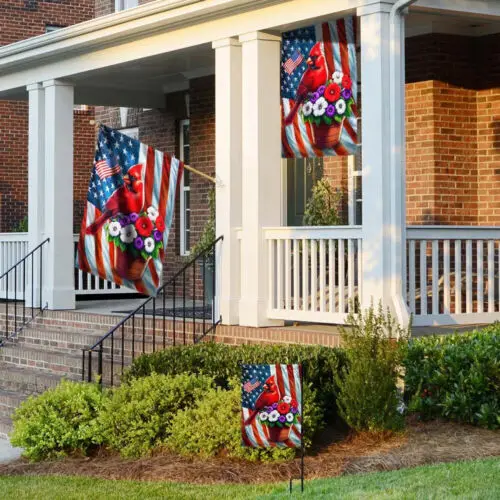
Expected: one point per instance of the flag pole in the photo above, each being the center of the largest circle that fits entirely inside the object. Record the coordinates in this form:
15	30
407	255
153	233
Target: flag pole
187	167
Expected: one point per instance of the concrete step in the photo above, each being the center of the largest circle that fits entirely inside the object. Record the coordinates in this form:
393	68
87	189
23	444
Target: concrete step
27	380
9	401
5	427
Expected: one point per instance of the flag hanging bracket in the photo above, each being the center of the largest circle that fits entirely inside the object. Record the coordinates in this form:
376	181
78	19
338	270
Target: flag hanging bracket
187	167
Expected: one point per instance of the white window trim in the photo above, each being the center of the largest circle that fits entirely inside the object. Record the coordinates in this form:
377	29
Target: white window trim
352	173
132	132
120	5
183	250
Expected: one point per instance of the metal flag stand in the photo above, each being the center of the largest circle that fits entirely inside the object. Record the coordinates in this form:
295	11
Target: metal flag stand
302	447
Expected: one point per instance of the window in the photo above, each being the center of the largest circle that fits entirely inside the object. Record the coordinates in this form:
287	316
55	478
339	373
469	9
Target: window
125	4
131	132
50	28
185	192
356	185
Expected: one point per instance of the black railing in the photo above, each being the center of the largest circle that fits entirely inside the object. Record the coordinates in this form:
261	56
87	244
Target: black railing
180	319
23	282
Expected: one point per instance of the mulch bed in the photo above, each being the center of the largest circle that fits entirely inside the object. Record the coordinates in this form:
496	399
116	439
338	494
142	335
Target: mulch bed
423	443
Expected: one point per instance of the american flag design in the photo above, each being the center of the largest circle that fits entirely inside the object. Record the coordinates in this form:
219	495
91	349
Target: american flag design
338	45
161	175
104	170
288	380
293	62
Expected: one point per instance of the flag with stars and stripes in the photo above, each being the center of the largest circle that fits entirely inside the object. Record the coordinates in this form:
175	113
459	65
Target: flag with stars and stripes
271	401
129	212
337	41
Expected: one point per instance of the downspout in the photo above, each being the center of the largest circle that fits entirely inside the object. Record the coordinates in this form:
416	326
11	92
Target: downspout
397	160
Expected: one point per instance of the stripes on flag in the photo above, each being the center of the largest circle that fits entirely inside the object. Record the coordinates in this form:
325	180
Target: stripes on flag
292	63
339	48
104	170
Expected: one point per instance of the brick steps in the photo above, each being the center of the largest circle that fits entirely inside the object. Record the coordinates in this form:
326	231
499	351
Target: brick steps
27	381
5	427
9	401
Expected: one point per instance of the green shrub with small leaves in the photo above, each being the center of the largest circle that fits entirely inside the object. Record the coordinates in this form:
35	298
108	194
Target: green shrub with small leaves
213	427
223	363
368	398
323	208
138	415
63	419
456	377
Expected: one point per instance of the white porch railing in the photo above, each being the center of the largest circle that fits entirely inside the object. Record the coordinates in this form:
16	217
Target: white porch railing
314	272
14	246
453	274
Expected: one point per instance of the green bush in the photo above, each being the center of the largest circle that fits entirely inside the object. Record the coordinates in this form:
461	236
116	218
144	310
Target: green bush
223	363
213	427
368	396
138	415
59	421
456	377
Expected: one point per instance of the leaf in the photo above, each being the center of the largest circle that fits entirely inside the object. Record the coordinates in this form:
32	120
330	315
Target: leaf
338	119
327	120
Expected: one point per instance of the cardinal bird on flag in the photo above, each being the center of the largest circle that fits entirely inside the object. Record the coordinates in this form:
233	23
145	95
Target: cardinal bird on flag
329	48
129	211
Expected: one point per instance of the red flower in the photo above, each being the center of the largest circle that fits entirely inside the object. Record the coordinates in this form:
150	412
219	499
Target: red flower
160	224
332	92
346	82
144	226
283	408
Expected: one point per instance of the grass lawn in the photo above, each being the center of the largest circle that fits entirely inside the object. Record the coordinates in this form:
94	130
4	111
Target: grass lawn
476	479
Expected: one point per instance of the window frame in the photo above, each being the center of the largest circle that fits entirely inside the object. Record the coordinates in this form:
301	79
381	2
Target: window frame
183	189
132	132
120	5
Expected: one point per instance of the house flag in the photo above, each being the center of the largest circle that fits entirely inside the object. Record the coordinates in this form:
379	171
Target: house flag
129	211
319	90
271	400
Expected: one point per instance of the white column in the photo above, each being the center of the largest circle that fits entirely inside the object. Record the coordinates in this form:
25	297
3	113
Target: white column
59	259
377	193
36	198
261	169
228	125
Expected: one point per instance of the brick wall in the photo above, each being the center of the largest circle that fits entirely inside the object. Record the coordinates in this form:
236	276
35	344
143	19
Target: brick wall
21	19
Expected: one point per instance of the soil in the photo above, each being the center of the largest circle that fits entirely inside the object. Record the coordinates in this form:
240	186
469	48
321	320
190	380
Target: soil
422	443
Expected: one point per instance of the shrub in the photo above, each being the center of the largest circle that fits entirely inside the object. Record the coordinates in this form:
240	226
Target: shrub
223	363
213	427
368	397
60	420
138	415
323	208
456	377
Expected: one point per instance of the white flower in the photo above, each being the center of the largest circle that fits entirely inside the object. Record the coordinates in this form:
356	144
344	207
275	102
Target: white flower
337	77
128	234
287	399
152	213
114	228
149	245
274	415
320	106
263	416
289	417
340	106
307	108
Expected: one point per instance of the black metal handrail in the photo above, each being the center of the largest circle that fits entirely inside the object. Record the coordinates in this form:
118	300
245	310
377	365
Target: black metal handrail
126	344
27	260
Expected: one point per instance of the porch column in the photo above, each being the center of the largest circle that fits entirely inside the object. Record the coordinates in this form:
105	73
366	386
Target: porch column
379	242
261	169
36	189
228	125
59	259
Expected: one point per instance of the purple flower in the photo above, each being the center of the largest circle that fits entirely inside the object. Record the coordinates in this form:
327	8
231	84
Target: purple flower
157	235
321	90
294	410
274	406
139	243
346	94
124	220
330	111
314	97
133	217
282	418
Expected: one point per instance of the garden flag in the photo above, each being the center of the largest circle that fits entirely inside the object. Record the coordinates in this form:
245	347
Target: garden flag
271	400
319	90
127	219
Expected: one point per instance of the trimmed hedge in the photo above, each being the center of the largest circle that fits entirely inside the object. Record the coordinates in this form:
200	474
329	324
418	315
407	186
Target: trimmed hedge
223	363
456	377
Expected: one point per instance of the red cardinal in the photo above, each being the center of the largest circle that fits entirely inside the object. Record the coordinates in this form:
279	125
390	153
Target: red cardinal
314	76
269	395
126	199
